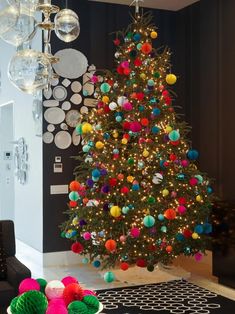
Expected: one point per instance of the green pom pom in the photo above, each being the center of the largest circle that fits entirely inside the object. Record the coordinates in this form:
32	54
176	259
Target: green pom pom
105	88
92	303
109	277
42	283
32	302
13	305
156	74
77	307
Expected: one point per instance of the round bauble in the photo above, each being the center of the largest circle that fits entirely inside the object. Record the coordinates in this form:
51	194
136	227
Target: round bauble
109	277
74	186
31	302
171	79
170	214
54	289
77	248
73	196
105	87
28	284
149	221
110	245
115	211
113	106
68	280
99	145
72	292
192	154
124	266
154	35
86	128
146	48
174	135
135	232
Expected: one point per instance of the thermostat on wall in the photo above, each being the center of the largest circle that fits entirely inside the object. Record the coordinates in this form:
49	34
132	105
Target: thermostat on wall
58	167
57	158
7	155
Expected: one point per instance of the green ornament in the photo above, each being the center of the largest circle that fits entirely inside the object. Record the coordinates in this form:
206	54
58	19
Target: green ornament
125	210
174	136
149	221
130	161
32	302
77	307
139	46
199	177
92	303
105	88
79	129
151	200
156	74
109	277
13	305
150	268
129	35
42	283
151	83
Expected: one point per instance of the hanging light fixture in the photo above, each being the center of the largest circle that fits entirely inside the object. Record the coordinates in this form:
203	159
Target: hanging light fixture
30	70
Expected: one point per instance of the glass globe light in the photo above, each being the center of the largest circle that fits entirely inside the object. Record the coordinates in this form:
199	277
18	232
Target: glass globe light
23	30
29	70
67	27
9	13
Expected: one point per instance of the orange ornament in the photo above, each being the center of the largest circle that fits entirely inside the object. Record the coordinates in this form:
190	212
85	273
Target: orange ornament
110	245
170	214
85	200
72	204
74	186
120	176
169	248
146	48
144	122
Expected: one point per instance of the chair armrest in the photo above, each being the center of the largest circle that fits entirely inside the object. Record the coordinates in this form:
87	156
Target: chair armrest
16	272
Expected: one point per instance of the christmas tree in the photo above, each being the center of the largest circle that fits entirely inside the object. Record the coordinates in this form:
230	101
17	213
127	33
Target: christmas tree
138	196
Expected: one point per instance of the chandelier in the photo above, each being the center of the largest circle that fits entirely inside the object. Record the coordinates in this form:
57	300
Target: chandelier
30	70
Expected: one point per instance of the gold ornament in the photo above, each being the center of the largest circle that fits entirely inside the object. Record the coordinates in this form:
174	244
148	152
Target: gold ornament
171	79
198	198
165	192
145	153
86	127
195	236
115	211
105	99
99	145
154	35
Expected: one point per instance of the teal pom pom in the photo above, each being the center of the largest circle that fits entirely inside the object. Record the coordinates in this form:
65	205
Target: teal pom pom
109	277
174	136
73	196
149	221
105	88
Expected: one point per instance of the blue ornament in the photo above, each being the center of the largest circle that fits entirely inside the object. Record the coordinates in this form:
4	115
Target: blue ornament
96	264
198	229
101	234
73	233
181	176
106	136
140	164
96	173
155	129
131	206
187	250
161	217
141	108
116	151
192	154
162	164
153	100
91	143
174	136
180	237
95	179
118	118
149	221
137	37
135	187
85	260
125	210
209	190
151	83
207	228
164	229
139	46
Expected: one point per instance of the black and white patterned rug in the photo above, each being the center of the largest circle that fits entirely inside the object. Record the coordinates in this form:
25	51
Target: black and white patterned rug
174	297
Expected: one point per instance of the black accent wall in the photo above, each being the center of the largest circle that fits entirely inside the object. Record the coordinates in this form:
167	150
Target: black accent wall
202	39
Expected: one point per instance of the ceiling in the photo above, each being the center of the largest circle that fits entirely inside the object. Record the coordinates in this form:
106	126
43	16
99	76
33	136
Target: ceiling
173	5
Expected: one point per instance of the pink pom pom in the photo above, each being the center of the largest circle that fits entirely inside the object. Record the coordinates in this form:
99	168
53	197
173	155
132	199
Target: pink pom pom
135	232
28	284
173	194
94	79
87	236
122	238
125	64
135	126
198	256
54	289
89	292
181	209
54	309
141	140
193	181
127	106
184	163
57	302
69	279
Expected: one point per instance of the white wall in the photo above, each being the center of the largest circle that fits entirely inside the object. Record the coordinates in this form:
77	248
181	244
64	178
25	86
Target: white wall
28	197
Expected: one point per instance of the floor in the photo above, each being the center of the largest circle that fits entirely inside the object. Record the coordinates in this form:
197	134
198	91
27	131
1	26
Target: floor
199	273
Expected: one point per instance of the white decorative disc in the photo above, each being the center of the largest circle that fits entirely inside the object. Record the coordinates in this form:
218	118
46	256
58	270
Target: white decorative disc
66	105
76	99
66	82
48	137
47	93
54	115
50	128
63	139
60	93
76	87
50	103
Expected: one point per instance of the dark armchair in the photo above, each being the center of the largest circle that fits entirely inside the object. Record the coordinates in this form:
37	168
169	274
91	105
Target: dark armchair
16	271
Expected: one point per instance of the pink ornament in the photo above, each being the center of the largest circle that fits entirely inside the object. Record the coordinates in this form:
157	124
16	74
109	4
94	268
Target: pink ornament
173	194
127	106
100	105
125	64
198	256
135	126
54	289
161	87
135	232
122	238
182	210
141	140
94	79
184	163
89	292
69	279
55	309
87	236
28	284
193	181
57	302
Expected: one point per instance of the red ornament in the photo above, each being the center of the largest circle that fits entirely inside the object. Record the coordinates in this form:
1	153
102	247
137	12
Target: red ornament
127	71
170	214
182	200
74	186
120	176
113	182
73	292
125	190
169	248
174	143
146	48
137	62
127	136
116	42
115	156
77	248
144	121
111	82
165	93
173	157
140	96
110	245
120	70
166	164
106	109
124	266
126	125
141	263
168	100
187	233
72	204
152	247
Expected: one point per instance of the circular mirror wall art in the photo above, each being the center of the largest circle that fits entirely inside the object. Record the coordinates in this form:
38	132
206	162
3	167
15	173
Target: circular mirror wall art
66	105
76	99
60	93
54	115
50	128
72	64
76	87
63	139
72	118
48	137
51	103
